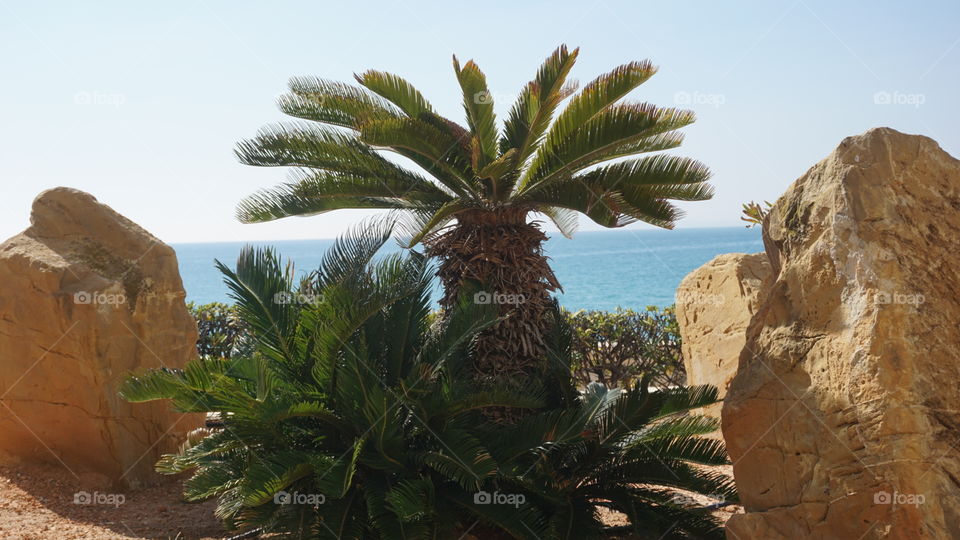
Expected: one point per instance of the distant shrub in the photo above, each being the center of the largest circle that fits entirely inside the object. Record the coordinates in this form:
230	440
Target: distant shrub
754	214
614	348
619	347
222	333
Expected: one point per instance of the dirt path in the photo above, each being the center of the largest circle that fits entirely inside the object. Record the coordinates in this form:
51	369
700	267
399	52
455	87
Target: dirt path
41	503
46	502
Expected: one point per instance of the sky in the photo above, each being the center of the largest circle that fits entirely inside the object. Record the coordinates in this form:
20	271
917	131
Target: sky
141	103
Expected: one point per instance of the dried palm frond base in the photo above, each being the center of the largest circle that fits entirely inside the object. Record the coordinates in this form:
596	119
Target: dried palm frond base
502	254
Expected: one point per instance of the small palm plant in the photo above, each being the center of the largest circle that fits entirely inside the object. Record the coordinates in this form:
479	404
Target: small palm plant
489	182
355	417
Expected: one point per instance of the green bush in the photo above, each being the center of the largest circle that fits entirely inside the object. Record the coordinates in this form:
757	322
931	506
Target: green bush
354	418
222	333
616	348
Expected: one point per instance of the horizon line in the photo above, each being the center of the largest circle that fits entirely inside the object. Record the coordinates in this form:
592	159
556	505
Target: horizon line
549	233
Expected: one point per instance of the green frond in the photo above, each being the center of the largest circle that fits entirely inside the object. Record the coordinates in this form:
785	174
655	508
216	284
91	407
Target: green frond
461	459
478	104
396	90
412	499
429	146
418	226
499	175
311	192
319	147
605	137
680	447
491	398
605	207
162	383
332	102
596	97
531	114
658	170
335	479
271	472
352	252
684	398
692	425
565	219
256	284
212	480
596	400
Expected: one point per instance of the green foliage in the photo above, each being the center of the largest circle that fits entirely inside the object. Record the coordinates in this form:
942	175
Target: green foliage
617	348
353	418
582	159
754	214
222	333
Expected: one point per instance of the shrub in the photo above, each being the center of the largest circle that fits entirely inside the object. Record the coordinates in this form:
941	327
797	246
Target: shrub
355	418
619	347
222	333
754	214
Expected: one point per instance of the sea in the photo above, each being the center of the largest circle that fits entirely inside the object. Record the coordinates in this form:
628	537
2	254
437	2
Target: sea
631	269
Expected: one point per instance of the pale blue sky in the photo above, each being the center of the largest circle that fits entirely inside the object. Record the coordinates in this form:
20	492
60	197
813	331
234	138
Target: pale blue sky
141	103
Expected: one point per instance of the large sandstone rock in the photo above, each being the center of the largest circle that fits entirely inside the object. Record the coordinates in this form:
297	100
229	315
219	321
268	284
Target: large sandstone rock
714	306
843	420
86	296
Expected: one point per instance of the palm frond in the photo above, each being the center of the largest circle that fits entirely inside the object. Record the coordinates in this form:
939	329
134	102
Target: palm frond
434	149
396	90
332	102
478	104
531	114
605	137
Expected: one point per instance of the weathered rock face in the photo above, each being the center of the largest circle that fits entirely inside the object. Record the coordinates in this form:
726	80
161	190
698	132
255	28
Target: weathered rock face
843	420
86	296
714	306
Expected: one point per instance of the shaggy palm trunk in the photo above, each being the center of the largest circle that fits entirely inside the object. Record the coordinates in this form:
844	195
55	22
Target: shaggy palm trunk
502	254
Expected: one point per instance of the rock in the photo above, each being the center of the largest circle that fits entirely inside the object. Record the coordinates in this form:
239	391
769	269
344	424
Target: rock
844	416
714	305
86	297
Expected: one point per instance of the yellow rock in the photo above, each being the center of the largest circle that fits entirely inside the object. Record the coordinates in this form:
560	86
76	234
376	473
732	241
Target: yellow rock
86	297
843	420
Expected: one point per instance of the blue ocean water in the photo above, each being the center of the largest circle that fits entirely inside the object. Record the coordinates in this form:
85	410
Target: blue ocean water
598	269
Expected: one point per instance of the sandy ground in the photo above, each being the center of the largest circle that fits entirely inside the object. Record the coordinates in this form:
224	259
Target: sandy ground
685	497
38	503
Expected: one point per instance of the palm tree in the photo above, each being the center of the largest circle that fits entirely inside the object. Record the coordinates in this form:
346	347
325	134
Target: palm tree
475	193
353	416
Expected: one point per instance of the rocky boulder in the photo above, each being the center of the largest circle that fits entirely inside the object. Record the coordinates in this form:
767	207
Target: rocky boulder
843	420
86	297
714	306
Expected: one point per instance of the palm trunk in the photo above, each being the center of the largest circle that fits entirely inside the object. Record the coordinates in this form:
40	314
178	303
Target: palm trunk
502	254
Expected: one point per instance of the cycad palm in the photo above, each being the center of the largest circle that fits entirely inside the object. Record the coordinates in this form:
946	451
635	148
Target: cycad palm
490	181
358	397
